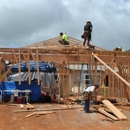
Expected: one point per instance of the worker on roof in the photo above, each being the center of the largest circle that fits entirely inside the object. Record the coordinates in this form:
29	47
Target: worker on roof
64	40
118	49
87	33
88	96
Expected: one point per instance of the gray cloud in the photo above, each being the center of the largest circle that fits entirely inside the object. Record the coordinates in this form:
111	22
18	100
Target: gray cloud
25	22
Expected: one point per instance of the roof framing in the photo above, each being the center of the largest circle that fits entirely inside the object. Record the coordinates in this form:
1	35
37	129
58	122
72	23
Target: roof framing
64	55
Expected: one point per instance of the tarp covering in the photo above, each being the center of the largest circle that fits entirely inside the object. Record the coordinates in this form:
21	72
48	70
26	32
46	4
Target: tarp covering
48	79
34	87
43	67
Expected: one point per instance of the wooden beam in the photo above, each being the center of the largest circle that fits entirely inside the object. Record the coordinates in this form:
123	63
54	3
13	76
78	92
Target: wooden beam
115	111
124	85
38	67
28	61
2	78
51	58
33	110
26	58
111	70
19	66
101	110
104	74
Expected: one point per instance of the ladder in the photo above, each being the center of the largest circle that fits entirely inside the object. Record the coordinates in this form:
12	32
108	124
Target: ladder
85	80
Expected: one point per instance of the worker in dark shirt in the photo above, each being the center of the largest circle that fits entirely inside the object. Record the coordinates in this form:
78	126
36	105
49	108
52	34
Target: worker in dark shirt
87	33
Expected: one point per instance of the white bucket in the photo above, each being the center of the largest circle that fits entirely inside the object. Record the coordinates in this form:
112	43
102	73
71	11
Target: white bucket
12	98
57	96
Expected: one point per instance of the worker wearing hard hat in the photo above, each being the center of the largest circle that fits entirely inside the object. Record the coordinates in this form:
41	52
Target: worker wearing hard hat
87	33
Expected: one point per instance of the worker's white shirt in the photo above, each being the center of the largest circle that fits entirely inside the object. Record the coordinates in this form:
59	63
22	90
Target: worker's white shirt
90	89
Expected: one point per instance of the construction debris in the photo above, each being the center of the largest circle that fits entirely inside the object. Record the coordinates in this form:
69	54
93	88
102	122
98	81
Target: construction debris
39	113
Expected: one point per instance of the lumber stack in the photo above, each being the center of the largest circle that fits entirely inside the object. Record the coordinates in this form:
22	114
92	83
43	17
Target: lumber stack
104	112
114	110
109	110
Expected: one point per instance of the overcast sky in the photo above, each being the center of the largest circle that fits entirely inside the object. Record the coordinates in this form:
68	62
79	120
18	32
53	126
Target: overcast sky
24	22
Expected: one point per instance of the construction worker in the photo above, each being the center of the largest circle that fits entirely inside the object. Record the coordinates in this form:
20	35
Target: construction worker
118	49
64	40
88	96
87	33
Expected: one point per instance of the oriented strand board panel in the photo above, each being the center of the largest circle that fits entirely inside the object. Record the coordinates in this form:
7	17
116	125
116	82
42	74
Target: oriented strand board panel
114	110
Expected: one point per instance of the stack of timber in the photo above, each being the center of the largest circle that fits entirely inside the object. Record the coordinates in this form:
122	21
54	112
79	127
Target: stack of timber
119	115
104	112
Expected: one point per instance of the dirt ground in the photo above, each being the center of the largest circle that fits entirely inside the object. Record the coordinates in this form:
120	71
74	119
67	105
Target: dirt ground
73	119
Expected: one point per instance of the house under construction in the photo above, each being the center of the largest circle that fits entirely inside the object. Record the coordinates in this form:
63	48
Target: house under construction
77	67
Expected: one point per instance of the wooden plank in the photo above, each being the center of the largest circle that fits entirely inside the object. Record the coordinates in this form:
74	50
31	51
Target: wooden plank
30	115
124	85
101	110
45	112
115	111
5	74
19	67
16	111
52	58
38	73
29	74
111	70
108	110
0	66
39	113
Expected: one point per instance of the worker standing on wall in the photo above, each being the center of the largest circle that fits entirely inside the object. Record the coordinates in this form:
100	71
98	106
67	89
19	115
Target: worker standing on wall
87	33
88	96
64	40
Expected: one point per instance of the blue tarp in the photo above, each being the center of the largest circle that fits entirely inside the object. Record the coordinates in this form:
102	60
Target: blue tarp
34	87
43	67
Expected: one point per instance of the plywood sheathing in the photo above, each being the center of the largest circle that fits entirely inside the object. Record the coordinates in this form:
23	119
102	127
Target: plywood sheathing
54	42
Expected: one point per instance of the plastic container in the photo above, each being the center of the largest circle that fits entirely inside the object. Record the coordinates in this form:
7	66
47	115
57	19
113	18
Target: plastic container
19	100
57	96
